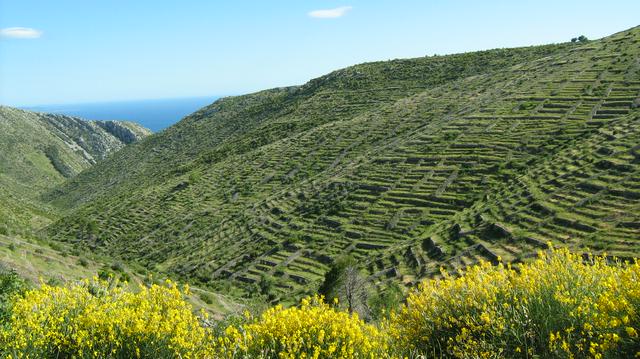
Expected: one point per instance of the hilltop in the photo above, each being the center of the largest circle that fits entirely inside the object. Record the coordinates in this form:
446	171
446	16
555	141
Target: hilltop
39	151
406	165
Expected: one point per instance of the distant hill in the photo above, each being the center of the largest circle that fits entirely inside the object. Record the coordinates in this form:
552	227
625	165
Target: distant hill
155	114
406	165
39	151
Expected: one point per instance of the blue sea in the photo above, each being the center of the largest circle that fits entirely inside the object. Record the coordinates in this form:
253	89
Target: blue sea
155	115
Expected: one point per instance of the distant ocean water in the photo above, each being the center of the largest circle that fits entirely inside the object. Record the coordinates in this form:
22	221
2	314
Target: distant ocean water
155	115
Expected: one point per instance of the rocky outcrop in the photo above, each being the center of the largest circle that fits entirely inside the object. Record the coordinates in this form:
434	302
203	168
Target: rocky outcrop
126	132
96	139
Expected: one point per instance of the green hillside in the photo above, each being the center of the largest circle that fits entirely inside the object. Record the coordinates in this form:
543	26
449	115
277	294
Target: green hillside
39	151
407	165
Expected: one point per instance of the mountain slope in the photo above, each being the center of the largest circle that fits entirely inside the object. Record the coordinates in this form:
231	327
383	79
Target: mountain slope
406	165
235	125
39	151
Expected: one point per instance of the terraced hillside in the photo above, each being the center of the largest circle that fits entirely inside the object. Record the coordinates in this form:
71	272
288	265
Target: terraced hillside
406	165
39	151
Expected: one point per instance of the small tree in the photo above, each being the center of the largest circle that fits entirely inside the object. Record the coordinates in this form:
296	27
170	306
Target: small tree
354	291
266	285
333	278
345	282
582	38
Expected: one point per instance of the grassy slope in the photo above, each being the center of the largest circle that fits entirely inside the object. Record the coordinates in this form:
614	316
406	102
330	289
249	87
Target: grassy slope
407	165
37	260
235	125
39	151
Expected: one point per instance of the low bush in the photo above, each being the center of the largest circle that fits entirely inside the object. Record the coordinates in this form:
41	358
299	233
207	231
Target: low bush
312	330
561	305
89	319
11	285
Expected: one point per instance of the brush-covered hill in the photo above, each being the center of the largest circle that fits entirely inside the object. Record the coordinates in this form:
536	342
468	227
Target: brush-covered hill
39	151
407	165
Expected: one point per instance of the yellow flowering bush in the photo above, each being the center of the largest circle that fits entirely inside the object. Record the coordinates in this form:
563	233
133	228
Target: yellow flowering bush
561	305
89	319
312	330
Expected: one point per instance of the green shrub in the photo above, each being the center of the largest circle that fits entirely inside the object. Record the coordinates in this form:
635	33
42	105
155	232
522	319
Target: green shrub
10	285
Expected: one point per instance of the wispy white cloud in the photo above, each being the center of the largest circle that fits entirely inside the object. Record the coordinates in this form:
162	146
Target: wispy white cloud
330	13
20	33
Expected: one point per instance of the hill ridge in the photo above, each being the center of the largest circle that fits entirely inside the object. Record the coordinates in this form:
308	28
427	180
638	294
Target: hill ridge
40	150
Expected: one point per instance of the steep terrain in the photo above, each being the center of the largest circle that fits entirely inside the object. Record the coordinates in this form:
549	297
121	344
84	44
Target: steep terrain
407	165
39	151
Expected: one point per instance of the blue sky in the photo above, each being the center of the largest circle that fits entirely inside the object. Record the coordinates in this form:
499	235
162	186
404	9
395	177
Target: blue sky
92	50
